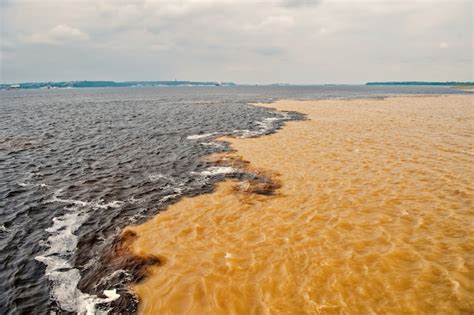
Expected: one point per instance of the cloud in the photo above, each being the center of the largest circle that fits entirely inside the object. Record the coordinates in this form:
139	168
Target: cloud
443	45
299	3
269	51
263	41
61	33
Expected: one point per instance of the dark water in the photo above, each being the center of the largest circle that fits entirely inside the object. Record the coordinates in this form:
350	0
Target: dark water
76	166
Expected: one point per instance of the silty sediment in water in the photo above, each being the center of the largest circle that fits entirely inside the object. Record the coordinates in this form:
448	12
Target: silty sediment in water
374	214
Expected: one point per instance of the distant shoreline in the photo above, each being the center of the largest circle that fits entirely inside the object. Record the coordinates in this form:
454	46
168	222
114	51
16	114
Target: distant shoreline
106	84
175	83
447	83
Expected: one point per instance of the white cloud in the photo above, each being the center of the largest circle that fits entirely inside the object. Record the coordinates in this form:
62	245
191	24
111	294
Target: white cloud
61	33
263	41
299	3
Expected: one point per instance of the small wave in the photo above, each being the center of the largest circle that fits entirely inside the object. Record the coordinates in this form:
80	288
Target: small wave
62	244
216	170
168	197
201	136
93	204
212	144
467	152
245	133
22	184
157	177
134	200
120	273
264	126
267	123
177	191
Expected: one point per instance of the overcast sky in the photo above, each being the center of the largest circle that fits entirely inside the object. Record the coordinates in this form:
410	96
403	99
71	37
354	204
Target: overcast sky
293	41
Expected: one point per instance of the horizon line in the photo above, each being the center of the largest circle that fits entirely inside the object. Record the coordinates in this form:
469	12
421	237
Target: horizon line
232	83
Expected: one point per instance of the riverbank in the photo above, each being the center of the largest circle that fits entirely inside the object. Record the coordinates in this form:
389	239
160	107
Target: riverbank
372	213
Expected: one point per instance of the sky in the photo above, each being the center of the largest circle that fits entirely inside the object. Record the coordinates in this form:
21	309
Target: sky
254	42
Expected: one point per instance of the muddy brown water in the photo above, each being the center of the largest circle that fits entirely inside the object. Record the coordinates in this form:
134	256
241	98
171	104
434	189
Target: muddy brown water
374	215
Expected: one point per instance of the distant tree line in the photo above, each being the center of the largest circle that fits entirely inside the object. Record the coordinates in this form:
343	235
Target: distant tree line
102	84
450	83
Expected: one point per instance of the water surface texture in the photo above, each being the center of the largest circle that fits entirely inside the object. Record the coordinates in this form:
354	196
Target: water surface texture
76	166
374	215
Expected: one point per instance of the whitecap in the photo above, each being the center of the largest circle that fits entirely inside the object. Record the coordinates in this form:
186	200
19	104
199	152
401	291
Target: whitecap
264	126
61	245
22	184
168	197
216	170
156	177
201	136
92	204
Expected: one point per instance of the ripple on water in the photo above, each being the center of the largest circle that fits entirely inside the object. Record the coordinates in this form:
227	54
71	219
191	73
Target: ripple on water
118	156
354	228
106	145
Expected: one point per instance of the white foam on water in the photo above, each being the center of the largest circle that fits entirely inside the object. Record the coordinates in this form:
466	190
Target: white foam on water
168	197
177	191
156	177
264	126
267	123
62	241
201	136
23	184
245	133
134	200
117	273
216	170
62	244
80	203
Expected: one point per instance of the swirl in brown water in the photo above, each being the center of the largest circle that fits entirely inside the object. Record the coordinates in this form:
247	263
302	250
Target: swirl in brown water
374	215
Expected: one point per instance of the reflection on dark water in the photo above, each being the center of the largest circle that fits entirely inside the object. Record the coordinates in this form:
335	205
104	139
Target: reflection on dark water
76	166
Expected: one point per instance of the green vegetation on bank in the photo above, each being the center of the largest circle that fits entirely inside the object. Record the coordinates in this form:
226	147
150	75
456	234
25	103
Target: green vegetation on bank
448	83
